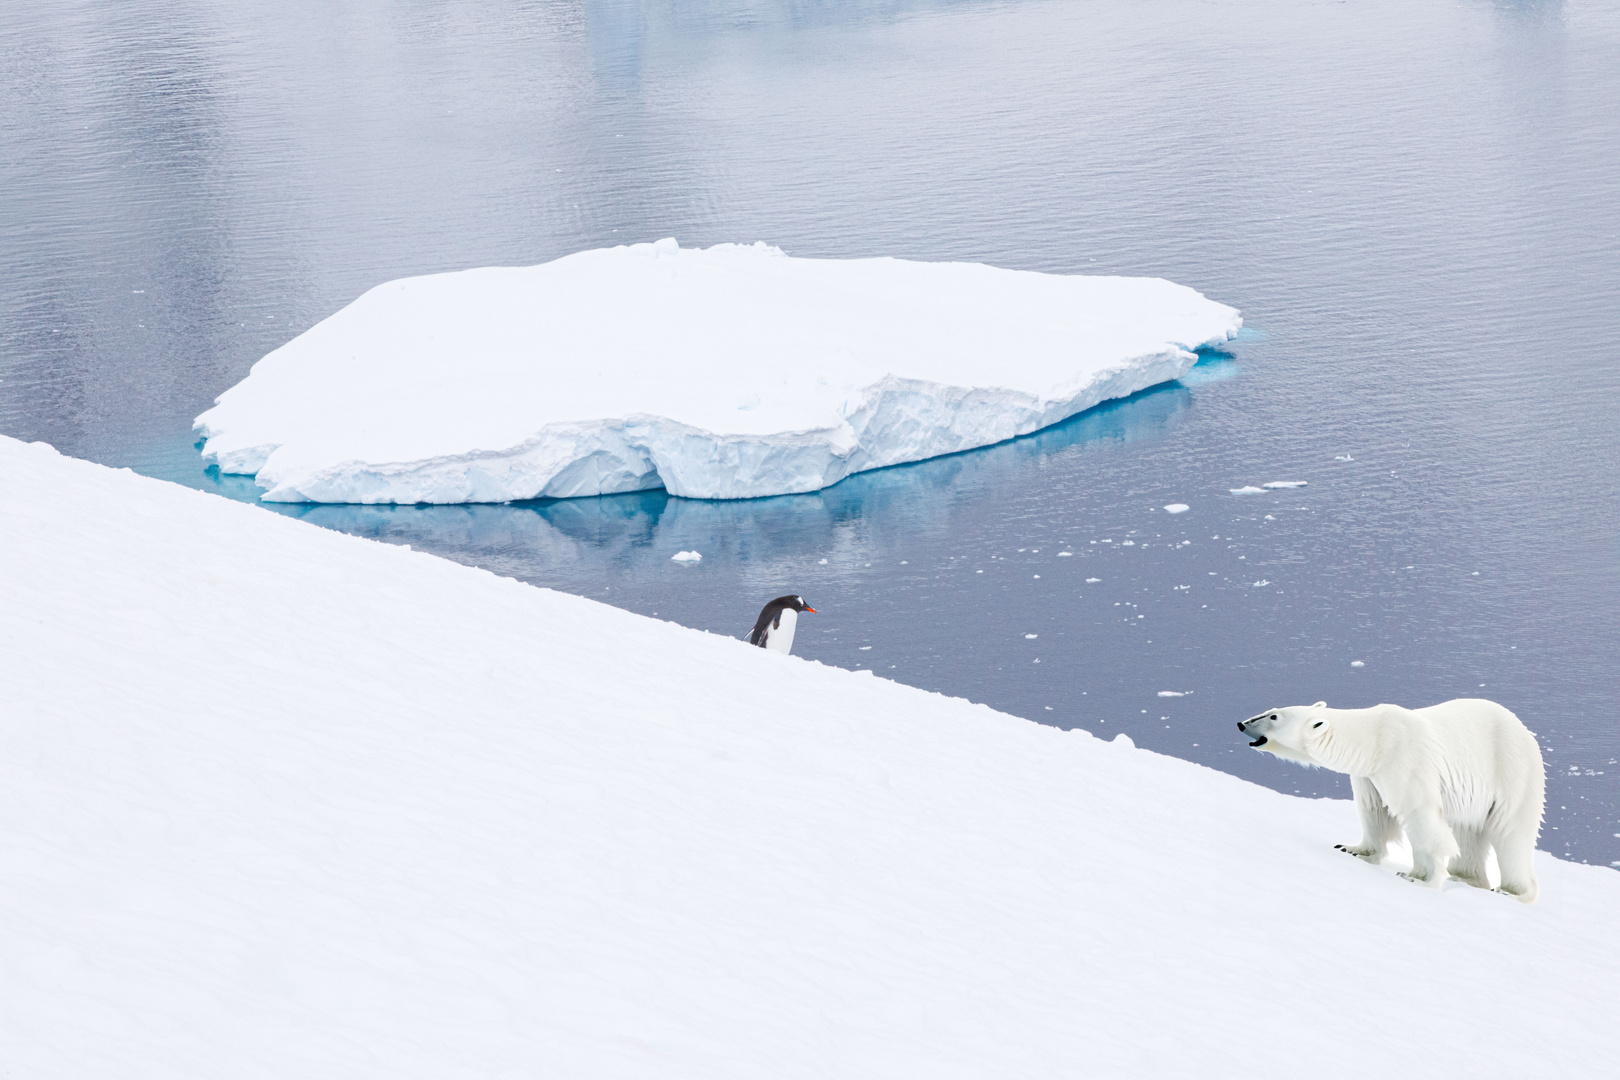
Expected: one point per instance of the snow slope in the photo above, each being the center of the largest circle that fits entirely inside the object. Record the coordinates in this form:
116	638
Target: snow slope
730	372
280	802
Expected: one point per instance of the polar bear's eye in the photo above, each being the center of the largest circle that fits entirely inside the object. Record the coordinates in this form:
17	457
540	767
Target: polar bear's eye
1317	724
1273	716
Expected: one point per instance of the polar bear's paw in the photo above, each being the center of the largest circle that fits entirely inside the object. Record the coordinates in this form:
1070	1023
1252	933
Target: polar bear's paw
1427	883
1528	896
1367	854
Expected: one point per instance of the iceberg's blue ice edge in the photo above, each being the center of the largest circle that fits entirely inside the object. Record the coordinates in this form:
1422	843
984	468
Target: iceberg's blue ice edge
819	362
900	421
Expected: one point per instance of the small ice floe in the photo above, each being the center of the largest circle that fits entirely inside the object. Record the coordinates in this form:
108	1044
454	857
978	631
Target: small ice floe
823	562
1247	490
1343	457
1172	693
1092	580
1031	637
1358	663
865	648
1064	554
1128	543
1177	508
1261	582
1037	577
1270	518
686	557
1276	484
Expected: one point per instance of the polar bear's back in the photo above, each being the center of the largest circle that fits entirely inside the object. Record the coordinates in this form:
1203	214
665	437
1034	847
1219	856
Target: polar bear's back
1493	760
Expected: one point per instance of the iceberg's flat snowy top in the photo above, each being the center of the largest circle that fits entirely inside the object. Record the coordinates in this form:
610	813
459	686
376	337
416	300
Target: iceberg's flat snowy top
279	802
727	372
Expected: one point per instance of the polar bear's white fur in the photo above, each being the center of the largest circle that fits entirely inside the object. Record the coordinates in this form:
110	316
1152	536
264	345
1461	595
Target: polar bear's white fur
1459	778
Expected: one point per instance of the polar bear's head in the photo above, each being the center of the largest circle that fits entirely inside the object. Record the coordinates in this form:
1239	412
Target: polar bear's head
1289	732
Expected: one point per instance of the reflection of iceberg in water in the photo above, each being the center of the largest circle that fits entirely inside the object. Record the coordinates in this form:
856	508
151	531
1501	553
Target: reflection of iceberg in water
557	542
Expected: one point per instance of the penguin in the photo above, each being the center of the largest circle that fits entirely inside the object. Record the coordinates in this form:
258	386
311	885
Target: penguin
776	624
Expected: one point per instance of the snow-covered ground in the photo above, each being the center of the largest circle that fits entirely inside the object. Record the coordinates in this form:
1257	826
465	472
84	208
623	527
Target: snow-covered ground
728	372
281	802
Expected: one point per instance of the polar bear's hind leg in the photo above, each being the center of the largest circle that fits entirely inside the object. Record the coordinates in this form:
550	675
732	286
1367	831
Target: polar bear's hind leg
1513	858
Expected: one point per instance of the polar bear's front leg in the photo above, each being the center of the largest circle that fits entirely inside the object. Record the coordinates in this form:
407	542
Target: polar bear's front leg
1378	825
1433	846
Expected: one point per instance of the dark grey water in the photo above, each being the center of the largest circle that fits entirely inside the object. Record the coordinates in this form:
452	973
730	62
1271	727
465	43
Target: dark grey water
1416	206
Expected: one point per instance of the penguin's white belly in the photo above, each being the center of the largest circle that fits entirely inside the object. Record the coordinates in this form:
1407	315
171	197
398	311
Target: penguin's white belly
780	638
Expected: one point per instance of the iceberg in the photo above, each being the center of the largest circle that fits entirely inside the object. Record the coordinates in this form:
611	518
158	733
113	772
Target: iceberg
729	372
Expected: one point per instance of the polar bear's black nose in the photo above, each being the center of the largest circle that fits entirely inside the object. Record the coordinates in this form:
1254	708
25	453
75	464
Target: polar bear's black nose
1240	725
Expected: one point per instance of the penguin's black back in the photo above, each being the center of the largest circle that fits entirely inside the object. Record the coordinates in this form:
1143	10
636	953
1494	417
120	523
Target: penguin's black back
771	618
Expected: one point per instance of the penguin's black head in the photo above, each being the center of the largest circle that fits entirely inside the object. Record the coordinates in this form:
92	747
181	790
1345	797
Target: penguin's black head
795	602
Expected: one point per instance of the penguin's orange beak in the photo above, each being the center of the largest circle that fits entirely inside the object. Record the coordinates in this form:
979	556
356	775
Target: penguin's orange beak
811	610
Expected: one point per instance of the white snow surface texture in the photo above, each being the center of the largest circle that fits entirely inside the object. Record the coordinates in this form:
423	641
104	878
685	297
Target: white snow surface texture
280	802
721	373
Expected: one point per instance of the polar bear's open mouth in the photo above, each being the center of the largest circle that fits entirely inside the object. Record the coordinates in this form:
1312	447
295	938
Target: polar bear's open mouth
1261	741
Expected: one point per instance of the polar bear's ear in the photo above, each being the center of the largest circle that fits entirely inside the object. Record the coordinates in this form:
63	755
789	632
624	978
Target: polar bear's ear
1320	705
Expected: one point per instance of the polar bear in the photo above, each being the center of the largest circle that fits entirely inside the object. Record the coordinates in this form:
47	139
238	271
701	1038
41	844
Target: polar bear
1459	777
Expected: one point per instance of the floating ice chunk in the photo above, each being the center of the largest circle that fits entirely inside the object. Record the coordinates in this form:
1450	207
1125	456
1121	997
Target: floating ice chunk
821	562
1177	508
1261	582
1128	543
1092	580
686	557
1275	484
1249	490
1357	663
1344	457
728	372
1064	554
1172	693
864	648
1031	637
